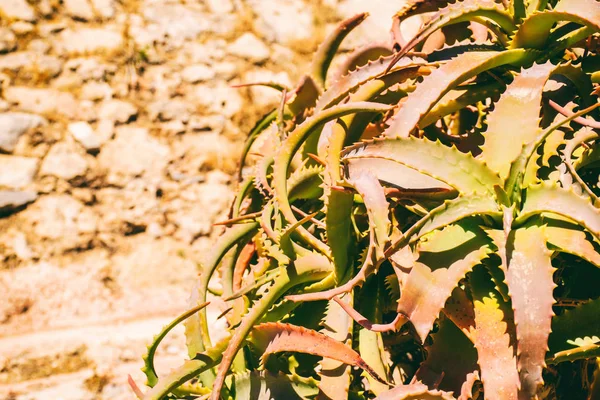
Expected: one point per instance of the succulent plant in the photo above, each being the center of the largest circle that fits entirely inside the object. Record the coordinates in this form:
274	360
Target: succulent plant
428	214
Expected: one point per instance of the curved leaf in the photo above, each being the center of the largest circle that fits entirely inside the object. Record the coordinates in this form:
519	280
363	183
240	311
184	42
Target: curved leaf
289	148
515	120
335	375
328	48
148	368
276	337
445	78
554	199
415	391
534	31
446	164
530	284
433	278
305	269
496	357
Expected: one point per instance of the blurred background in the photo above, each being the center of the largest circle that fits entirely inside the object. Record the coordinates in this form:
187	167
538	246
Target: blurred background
119	132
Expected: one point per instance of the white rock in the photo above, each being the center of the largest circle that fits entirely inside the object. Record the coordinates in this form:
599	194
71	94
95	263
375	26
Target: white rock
220	6
8	40
63	161
221	99
13	125
167	110
17	9
133	152
31	61
84	134
105	8
80	9
197	73
117	110
12	200
90	40
249	47
17	172
283	21
22	27
96	91
42	101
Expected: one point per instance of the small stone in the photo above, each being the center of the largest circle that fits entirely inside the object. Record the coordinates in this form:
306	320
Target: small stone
8	40
42	101
133	152
284	21
31	61
11	201
96	91
17	172
197	73
220	6
117	110
174	127
84	134
167	110
105	8
63	161
79	9
90	40
39	46
13	125
22	27
17	9
249	47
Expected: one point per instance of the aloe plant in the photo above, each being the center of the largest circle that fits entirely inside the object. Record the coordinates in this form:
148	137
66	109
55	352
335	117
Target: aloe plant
427	214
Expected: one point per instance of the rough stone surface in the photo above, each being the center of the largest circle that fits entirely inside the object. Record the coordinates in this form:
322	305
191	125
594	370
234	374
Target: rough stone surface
122	130
250	47
17	172
17	9
13	125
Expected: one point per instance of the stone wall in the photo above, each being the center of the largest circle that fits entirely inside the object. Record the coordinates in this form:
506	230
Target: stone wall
119	130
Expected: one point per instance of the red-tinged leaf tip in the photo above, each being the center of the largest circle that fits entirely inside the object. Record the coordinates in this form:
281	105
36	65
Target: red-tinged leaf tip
134	387
276	337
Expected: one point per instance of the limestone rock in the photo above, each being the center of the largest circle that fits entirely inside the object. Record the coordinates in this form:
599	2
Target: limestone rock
17	9
79	9
64	161
283	21
197	73
105	8
84	134
249	47
90	40
8	40
42	101
133	152
13	125
17	172
30	61
11	200
117	110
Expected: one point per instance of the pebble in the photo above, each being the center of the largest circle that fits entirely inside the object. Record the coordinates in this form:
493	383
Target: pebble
63	161
13	125
11	200
250	47
17	9
17	172
117	110
84	134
